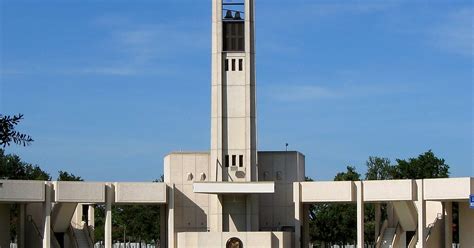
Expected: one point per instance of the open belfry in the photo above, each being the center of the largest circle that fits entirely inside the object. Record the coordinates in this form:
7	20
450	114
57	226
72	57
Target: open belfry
232	190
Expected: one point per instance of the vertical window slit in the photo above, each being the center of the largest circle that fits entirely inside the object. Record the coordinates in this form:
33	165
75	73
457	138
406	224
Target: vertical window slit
233	64
241	64
226	65
234	157
241	160
226	161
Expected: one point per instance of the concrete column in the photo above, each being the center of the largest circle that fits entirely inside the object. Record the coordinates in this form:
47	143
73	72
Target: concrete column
77	217
108	215
421	209
47	217
251	213
298	209
390	215
163	225
91	220
305	232
378	217
448	224
170	213
360	214
248	213
216	210
21	225
4	225
466	225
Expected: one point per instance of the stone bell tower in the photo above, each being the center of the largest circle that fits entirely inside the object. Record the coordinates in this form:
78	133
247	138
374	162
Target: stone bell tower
233	114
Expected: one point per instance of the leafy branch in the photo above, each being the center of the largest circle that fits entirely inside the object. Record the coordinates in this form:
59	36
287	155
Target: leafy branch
8	134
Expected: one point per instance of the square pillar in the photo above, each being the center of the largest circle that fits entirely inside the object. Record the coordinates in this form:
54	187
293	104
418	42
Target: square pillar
378	217
163	226
215	213
421	209
47	216
448	224
251	212
305	231
109	198
4	225
466	225
21	225
170	214
360	214
297	217
91	220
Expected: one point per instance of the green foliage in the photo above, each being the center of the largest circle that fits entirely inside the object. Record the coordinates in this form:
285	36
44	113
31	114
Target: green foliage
426	165
11	167
333	223
65	176
379	169
8	133
350	175
139	222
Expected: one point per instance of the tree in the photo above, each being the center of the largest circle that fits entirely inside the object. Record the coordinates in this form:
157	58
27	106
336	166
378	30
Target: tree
65	176
8	133
349	175
379	169
140	222
426	165
333	223
11	167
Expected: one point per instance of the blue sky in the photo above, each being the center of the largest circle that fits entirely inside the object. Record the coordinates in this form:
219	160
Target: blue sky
109	87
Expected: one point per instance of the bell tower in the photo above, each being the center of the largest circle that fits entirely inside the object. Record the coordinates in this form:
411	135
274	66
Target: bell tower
233	111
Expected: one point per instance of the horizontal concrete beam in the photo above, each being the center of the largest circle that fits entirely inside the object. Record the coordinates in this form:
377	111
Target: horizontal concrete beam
22	191
129	193
234	187
79	192
448	188
389	190
339	191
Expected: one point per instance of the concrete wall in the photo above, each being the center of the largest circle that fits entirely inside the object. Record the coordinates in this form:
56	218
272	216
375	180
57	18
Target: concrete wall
234	214
249	239
466	225
190	209
277	210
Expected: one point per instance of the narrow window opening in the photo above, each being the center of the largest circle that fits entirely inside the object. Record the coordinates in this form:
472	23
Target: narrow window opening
241	64
226	161
226	65
234	157
241	160
233	64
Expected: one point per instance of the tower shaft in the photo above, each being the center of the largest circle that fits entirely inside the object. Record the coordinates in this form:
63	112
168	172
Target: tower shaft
233	108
